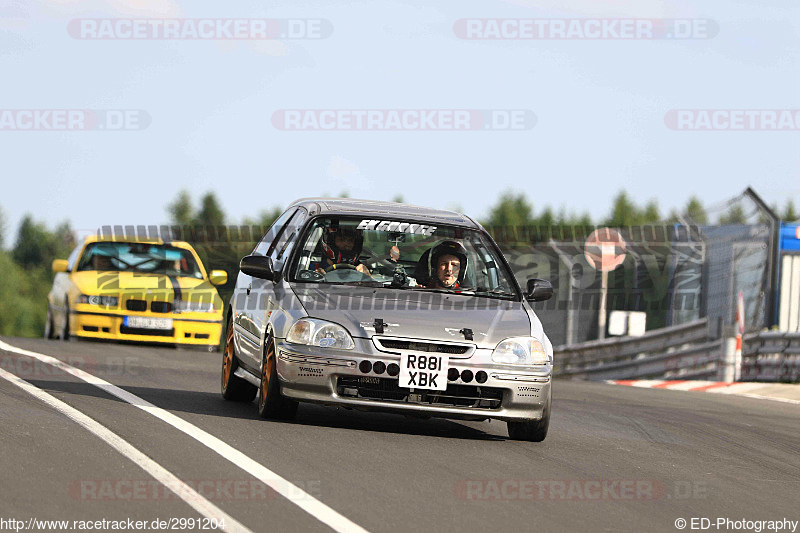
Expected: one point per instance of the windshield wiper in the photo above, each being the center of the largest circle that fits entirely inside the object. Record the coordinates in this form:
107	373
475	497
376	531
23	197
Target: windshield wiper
495	293
376	284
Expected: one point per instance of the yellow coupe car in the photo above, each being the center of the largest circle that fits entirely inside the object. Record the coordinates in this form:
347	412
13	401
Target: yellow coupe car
135	290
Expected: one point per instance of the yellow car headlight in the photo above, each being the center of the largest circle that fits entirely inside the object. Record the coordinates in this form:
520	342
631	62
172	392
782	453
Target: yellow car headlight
94	299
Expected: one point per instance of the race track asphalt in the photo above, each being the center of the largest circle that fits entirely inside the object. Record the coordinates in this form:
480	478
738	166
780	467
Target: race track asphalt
616	458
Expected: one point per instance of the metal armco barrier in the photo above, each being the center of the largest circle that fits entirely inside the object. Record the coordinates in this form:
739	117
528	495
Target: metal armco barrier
687	351
678	352
771	356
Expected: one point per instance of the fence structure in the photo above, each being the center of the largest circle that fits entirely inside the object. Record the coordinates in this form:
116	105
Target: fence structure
771	356
688	351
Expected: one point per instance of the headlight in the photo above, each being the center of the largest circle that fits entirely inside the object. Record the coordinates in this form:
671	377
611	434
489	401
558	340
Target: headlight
520	351
320	333
188	306
105	301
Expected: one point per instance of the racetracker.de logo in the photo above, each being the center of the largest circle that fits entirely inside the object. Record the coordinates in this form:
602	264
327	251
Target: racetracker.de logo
403	119
733	119
584	29
73	119
198	29
210	489
579	489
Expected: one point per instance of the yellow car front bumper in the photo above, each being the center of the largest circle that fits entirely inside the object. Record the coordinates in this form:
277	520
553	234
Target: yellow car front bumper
189	331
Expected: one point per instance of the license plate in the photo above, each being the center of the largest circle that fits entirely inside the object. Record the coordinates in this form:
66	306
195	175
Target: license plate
423	371
146	322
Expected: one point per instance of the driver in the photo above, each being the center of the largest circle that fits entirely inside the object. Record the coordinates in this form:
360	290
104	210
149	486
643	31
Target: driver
447	265
342	246
102	263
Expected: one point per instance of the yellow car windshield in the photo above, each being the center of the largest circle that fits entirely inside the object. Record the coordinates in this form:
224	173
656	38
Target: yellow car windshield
139	257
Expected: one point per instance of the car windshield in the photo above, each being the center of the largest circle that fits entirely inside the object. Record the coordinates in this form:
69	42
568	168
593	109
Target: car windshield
139	257
402	255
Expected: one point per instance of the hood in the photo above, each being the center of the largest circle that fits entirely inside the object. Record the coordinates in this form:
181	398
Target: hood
120	283
416	314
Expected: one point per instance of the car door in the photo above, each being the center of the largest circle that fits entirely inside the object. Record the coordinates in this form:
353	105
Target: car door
271	294
246	335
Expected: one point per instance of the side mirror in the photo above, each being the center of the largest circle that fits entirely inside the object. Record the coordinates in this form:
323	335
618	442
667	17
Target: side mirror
539	290
60	265
218	277
258	266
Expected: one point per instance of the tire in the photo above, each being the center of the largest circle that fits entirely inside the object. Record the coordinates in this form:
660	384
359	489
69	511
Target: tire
271	403
49	330
64	333
532	430
233	388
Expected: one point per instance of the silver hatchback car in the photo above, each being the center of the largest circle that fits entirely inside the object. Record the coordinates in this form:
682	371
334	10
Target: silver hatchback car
390	307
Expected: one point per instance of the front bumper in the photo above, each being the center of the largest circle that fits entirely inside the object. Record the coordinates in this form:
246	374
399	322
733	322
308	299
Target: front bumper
330	377
188	331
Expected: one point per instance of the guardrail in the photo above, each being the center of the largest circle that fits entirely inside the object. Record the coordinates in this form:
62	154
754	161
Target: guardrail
771	356
686	351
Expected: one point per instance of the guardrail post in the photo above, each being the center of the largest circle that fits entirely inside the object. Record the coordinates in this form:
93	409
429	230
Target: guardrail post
731	367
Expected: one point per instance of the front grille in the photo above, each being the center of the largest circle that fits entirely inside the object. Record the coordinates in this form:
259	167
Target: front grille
161	307
388	390
394	344
136	305
144	331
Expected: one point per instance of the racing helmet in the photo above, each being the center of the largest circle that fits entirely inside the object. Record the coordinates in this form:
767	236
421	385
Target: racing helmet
448	248
336	254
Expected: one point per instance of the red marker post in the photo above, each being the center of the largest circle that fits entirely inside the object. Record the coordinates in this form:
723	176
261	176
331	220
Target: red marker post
605	251
737	369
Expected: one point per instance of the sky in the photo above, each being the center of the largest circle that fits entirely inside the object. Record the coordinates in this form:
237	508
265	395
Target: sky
593	109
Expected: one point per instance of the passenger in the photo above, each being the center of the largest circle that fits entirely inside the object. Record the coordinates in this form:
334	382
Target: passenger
447	264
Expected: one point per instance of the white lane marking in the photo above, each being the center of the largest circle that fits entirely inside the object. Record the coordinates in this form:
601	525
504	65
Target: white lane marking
773	398
161	474
688	385
285	488
736	388
647	382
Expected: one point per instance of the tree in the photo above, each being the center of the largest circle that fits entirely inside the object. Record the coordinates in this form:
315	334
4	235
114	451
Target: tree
651	213
696	211
210	213
63	240
34	244
181	211
734	215
398	198
624	212
546	219
789	214
2	229
512	210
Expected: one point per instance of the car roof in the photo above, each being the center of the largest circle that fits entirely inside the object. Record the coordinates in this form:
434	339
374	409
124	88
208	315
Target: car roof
379	209
113	238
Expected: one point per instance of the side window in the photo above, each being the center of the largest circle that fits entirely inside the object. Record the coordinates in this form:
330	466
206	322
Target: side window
282	246
272	233
73	257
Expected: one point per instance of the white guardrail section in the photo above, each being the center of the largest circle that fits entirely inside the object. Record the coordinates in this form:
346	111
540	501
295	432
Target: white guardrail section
676	352
771	356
